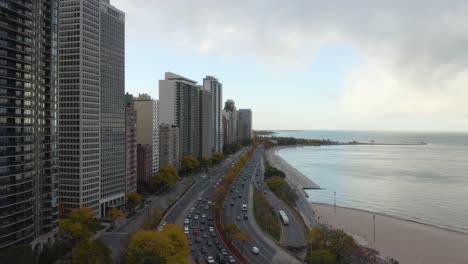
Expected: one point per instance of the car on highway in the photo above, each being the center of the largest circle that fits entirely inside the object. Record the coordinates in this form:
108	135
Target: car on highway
210	260
189	216
196	216
217	242
203	250
186	221
232	203
198	239
209	243
255	250
224	252
212	234
244	207
202	228
186	230
211	229
203	216
246	216
195	231
205	235
231	259
238	218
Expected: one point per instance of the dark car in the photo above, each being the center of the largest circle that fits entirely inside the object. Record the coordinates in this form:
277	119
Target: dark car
246	216
209	243
203	250
217	242
232	203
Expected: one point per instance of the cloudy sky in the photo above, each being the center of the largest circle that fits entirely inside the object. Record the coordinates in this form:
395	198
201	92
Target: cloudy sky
309	64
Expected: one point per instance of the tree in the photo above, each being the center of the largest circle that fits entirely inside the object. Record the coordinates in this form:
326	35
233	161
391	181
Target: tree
241	236
205	162
230	230
168	246
133	200
341	244
317	238
21	254
321	257
166	176
75	231
91	252
282	189
114	214
153	221
217	157
84	216
190	163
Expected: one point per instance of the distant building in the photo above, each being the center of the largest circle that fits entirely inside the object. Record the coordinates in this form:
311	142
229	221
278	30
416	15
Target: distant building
148	126
205	117
212	85
144	161
179	106
169	146
131	144
232	117
245	124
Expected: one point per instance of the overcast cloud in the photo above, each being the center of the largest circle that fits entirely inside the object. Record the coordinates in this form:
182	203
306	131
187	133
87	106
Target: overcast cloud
415	52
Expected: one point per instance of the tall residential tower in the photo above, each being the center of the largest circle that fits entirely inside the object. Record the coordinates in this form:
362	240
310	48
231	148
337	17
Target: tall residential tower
212	85
28	122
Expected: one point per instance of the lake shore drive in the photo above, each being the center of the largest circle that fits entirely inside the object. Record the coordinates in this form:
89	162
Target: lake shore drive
406	241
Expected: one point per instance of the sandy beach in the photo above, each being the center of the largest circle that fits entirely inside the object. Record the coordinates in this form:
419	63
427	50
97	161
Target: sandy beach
407	241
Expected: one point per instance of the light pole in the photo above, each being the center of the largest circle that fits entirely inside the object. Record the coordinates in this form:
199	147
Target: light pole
373	220
334	201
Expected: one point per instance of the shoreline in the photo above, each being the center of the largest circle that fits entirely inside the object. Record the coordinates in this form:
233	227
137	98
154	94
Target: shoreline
404	240
296	178
392	216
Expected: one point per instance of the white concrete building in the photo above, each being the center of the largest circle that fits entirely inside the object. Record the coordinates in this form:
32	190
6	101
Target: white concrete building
212	85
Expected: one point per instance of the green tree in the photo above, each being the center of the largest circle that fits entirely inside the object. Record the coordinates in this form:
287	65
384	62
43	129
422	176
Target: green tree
133	200
153	221
340	244
190	163
282	189
75	231
84	216
321	257
21	254
166	176
91	252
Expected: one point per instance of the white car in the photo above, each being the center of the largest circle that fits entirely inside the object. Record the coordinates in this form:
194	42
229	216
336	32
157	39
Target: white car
211	229
196	216
186	221
186	230
203	216
255	250
210	259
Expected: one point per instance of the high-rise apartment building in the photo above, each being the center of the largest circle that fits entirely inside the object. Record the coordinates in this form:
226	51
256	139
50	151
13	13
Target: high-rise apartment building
113	141
28	125
212	85
148	126
230	108
92	105
131	144
245	124
179	106
206	125
169	146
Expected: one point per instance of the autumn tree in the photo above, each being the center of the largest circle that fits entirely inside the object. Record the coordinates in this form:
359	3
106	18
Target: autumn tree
84	216
281	189
230	230
241	236
190	163
133	200
166	176
321	256
114	214
317	238
205	162
91	252
167	246
217	157
79	226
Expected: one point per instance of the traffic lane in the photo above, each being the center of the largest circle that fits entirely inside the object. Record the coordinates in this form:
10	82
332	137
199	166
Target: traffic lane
294	232
266	253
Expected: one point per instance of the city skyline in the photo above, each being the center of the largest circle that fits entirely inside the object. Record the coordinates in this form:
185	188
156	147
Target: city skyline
352	69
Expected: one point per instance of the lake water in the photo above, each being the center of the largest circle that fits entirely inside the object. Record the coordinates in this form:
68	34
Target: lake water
424	183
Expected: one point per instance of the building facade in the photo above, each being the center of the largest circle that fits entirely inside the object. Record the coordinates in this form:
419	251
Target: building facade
179	106
113	141
231	111
148	126
131	144
245	124
92	108
169	146
212	85
28	122
144	161
206	125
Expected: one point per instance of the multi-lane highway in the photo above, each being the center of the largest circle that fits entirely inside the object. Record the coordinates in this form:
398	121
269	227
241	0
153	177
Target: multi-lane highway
193	212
